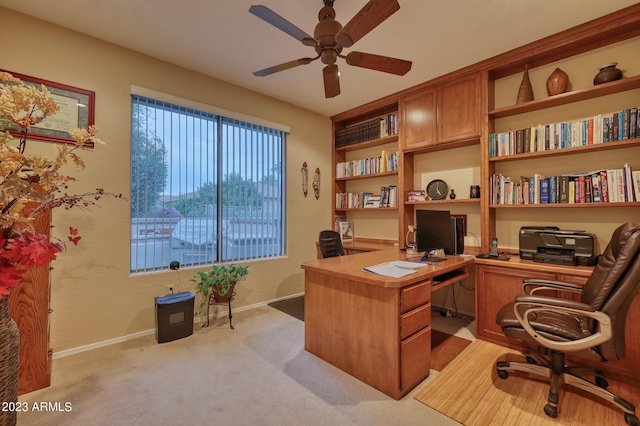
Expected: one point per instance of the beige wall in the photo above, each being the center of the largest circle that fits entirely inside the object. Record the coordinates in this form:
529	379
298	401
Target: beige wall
94	297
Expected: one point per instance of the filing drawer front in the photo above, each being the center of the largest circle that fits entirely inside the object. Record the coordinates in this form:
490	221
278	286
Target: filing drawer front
416	295
415	353
415	320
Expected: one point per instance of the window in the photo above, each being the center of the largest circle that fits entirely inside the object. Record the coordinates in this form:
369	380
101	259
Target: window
205	188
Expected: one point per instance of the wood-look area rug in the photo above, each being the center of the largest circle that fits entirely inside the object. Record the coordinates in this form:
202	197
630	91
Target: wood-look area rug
469	391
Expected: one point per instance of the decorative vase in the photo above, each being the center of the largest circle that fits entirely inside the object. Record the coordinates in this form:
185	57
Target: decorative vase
525	92
557	83
607	73
9	363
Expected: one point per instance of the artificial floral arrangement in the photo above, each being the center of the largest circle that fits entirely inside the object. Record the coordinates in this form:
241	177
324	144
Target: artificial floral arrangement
32	183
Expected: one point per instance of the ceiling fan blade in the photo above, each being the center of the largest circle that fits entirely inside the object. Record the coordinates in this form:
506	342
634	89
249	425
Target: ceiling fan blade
282	67
379	63
279	22
331	81
369	17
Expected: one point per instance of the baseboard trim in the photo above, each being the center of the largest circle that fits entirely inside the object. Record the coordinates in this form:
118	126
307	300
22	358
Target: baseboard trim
197	320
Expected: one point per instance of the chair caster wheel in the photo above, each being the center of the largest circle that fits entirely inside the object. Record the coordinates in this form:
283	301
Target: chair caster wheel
631	419
551	411
602	382
503	374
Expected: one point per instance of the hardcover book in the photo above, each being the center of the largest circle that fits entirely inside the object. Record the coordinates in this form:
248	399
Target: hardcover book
346	231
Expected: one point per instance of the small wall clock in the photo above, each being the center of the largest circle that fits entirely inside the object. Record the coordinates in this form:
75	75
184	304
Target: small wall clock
437	189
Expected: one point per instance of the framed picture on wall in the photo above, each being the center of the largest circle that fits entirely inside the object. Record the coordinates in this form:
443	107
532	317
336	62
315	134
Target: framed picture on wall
76	108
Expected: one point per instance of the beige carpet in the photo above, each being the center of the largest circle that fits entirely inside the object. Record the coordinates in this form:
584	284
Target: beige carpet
257	374
469	391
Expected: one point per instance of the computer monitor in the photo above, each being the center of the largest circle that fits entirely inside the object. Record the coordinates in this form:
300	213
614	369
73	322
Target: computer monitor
433	232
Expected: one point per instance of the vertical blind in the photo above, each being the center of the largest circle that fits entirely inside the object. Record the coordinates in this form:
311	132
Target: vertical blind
205	188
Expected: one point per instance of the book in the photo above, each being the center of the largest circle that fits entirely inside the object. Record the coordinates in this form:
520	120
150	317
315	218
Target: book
636	184
416	195
544	191
346	231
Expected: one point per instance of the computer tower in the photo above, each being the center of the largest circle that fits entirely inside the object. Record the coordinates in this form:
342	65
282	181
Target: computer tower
457	236
174	316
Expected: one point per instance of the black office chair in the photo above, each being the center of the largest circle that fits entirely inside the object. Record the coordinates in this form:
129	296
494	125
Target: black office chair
592	329
330	244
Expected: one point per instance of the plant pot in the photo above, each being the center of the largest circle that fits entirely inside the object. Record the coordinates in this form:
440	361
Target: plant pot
221	298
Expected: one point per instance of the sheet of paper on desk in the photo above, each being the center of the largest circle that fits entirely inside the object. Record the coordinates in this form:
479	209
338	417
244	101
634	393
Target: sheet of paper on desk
407	265
388	269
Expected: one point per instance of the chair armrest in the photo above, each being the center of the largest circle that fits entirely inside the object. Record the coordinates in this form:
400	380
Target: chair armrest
531	286
525	305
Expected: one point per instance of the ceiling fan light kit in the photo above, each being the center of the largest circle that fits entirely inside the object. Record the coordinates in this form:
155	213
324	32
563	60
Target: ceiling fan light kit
330	37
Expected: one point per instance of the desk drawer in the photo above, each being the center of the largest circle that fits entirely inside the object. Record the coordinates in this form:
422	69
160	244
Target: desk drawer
416	295
415	320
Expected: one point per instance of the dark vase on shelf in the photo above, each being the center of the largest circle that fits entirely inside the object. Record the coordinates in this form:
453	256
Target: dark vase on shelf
607	73
525	92
557	83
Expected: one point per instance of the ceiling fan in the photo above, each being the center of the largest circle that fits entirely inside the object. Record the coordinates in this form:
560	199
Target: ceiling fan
330	37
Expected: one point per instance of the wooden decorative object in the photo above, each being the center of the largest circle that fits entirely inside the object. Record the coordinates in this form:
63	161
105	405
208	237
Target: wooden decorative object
305	178
557	83
316	183
525	92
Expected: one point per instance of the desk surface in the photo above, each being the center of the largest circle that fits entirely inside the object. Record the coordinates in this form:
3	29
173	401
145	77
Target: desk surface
350	267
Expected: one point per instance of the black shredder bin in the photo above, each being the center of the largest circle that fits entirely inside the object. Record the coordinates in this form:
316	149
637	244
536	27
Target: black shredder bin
174	316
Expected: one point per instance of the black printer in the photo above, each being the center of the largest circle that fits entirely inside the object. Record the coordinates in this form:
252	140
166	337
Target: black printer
552	245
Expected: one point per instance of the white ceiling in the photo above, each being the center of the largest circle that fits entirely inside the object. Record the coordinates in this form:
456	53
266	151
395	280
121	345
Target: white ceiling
222	39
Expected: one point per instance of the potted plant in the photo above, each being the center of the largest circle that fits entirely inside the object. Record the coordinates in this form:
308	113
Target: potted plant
219	282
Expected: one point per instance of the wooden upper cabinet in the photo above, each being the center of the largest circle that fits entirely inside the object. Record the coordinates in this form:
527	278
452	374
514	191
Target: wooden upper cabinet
441	114
458	109
418	118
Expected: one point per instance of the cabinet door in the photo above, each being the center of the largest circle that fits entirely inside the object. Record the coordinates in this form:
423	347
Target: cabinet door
458	109
495	287
418	118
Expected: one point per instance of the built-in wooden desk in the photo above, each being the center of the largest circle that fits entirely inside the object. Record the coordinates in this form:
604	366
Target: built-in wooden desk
376	328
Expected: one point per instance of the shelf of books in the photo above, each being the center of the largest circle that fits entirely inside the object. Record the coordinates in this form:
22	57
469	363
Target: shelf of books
387	198
607	131
605	187
377	128
384	164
